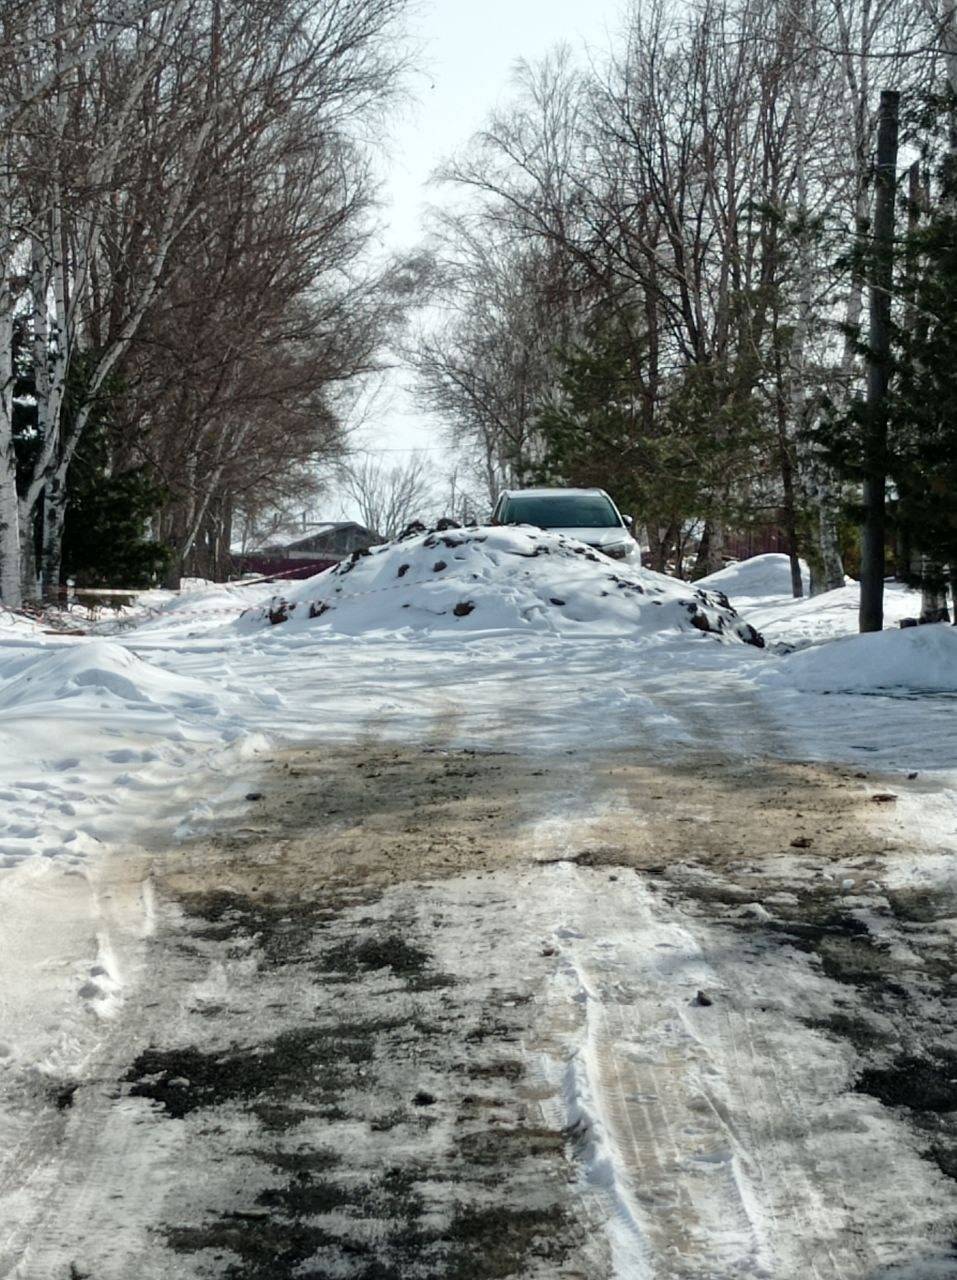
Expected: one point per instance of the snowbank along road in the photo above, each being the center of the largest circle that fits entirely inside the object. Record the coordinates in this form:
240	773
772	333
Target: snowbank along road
620	990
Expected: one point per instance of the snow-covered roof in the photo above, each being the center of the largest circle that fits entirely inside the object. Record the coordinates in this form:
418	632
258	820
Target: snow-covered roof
292	533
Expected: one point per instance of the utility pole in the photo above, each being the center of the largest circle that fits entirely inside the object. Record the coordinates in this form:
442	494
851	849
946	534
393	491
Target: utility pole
880	282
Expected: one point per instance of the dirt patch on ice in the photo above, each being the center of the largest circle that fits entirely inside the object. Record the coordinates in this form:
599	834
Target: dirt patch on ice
369	816
337	1068
393	1124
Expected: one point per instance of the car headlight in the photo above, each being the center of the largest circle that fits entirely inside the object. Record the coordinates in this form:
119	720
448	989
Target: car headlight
617	551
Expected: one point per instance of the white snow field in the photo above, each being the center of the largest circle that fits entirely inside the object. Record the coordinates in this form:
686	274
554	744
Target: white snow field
104	738
15	624
915	660
149	731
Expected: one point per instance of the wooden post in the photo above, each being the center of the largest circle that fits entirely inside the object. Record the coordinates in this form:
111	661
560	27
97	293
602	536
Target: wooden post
880	283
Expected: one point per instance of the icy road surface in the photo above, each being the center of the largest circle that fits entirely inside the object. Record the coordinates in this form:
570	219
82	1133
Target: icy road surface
534	950
436	1013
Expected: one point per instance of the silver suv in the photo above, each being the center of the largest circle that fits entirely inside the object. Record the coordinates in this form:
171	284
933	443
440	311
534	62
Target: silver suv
586	514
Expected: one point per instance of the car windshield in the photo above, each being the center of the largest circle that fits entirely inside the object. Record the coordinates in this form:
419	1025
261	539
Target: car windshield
561	511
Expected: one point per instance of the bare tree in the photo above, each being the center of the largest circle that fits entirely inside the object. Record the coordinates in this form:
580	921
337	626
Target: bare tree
695	191
387	498
462	503
239	368
123	150
507	290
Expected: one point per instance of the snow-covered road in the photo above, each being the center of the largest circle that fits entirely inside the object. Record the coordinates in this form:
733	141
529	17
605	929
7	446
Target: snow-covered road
434	1013
379	954
106	739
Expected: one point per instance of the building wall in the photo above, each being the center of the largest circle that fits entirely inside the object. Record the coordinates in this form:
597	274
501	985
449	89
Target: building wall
281	566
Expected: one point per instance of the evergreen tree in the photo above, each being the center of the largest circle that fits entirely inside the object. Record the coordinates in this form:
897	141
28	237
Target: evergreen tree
598	432
105	538
671	458
921	451
923	404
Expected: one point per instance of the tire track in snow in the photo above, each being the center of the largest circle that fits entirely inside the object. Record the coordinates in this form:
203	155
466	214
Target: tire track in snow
84	939
682	1205
807	1203
725	1137
713	1143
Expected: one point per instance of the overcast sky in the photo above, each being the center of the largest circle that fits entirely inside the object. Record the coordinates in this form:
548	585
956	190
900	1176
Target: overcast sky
469	51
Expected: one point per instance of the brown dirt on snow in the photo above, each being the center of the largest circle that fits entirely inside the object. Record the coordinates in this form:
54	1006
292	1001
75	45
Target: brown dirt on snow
379	815
335	1015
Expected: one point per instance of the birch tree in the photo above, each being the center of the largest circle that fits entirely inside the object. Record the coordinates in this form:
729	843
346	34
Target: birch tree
39	46
9	506
131	139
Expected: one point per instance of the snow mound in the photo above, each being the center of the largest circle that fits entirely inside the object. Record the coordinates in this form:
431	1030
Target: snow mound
17	625
757	578
916	659
99	667
191	612
496	579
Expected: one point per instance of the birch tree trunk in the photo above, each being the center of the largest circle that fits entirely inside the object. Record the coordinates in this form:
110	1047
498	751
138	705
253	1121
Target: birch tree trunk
55	500
50	359
797	371
29	587
950	62
656	547
10	593
933	592
827	569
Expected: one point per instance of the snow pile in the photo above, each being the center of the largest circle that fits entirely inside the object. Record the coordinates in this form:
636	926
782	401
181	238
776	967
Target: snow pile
189	612
917	659
98	744
799	623
760	589
757	578
497	579
101	669
17	625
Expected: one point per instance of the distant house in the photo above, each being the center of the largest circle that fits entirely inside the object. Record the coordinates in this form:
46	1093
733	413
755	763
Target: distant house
305	550
758	541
